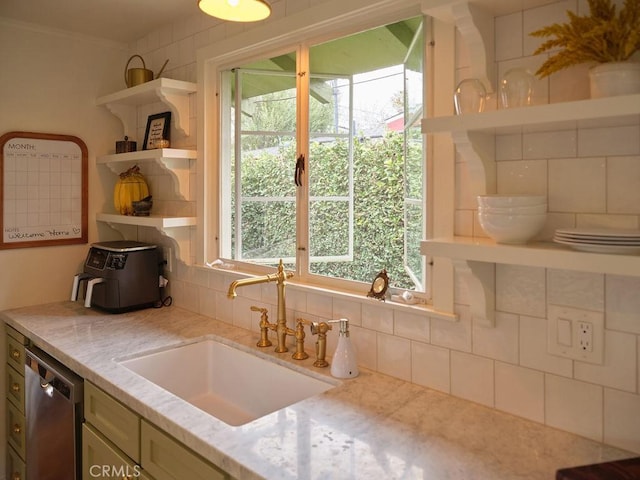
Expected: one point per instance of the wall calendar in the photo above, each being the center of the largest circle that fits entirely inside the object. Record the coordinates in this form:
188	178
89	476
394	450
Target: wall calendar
43	190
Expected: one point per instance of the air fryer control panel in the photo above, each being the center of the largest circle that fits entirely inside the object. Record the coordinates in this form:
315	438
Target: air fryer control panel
101	260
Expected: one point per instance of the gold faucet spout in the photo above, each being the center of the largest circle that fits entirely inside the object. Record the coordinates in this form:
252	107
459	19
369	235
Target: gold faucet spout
281	320
272	277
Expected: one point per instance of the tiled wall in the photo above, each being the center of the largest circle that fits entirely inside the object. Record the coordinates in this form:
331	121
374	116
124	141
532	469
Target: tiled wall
591	177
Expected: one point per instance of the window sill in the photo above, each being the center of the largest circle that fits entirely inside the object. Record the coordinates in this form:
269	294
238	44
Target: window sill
356	296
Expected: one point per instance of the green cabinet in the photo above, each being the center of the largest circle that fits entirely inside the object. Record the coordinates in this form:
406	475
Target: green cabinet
14	395
117	441
166	459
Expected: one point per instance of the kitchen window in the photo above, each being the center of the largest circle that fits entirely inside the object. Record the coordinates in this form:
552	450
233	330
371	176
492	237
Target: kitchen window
322	160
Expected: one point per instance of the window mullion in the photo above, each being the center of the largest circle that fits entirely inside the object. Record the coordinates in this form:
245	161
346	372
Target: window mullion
302	140
238	165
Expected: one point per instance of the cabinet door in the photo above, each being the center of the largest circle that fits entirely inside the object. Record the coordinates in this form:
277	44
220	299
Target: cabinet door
16	429
101	459
115	421
15	353
15	388
16	469
166	459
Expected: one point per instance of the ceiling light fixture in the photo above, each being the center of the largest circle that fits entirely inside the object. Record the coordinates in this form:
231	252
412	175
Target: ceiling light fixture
236	10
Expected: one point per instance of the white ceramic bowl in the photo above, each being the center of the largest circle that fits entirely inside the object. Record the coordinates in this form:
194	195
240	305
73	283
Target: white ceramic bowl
502	201
525	210
511	228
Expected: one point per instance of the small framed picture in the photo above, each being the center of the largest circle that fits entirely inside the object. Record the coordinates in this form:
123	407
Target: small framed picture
158	131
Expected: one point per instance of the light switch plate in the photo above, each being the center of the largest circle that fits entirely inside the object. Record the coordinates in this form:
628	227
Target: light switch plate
575	333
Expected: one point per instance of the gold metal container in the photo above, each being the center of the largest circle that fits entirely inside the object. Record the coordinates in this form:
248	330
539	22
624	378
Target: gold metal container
137	76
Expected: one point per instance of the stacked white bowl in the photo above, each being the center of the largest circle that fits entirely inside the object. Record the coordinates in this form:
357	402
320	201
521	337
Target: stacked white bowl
512	218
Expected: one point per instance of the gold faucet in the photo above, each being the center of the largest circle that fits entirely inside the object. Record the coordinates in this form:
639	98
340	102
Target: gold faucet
281	320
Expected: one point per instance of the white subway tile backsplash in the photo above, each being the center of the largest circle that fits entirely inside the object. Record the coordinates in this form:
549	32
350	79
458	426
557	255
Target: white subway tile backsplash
411	326
508	35
376	318
521	290
623	184
622	419
347	308
297	300
472	378
465	196
430	366
619	369
577	185
533	348
520	391
576	289
394	356
601	220
574	406
207	302
366	345
622	304
529	176
190	297
537	18
509	147
464	223
561	143
224	308
320	305
455	335
242	314
619	140
499	342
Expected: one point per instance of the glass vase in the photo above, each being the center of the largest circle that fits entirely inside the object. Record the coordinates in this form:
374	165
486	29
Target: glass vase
516	88
469	96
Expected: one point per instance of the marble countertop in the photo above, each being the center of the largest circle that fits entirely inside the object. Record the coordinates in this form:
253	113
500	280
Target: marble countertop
373	426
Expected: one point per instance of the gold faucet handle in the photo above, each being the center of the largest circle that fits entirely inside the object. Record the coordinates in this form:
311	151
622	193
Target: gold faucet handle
264	326
300	354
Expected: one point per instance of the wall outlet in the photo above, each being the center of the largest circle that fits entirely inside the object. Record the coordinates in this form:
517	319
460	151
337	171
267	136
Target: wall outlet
585	336
575	333
167	256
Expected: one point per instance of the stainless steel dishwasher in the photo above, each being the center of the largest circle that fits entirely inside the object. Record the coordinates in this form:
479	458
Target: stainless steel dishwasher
53	411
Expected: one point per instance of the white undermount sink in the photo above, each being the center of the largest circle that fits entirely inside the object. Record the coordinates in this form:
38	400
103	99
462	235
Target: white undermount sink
232	385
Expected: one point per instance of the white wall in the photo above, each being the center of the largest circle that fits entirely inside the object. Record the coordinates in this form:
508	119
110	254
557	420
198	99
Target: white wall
506	367
48	83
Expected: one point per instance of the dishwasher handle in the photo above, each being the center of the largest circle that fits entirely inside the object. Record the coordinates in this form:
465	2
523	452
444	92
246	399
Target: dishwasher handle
54	376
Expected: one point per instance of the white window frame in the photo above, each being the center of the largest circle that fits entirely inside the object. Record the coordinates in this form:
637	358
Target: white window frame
320	23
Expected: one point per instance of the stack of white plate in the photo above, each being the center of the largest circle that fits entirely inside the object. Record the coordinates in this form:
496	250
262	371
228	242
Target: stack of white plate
600	240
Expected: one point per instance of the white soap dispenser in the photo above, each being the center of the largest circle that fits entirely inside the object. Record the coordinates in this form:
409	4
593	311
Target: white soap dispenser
344	363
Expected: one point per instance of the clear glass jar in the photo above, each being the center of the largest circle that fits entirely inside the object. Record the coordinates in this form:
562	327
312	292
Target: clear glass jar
516	88
469	96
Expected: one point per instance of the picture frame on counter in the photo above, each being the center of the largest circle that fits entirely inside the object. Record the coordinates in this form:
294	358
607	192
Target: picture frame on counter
158	131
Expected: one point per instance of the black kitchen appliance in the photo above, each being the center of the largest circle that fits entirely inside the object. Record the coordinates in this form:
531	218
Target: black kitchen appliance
120	276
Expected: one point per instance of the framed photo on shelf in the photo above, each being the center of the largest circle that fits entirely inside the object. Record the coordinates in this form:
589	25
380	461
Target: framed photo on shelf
158	131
